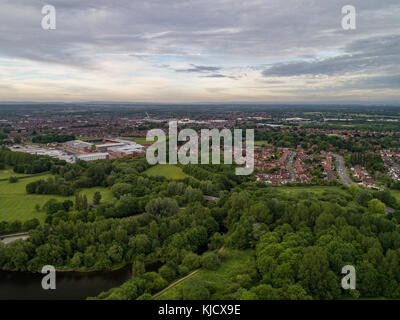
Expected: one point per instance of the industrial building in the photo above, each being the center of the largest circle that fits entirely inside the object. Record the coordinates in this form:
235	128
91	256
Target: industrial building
93	156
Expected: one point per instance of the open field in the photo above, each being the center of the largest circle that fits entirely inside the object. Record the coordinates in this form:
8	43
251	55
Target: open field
219	277
166	170
8	172
139	140
261	143
313	189
16	204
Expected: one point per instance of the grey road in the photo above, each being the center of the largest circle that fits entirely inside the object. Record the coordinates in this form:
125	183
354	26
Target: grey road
342	171
289	166
12	238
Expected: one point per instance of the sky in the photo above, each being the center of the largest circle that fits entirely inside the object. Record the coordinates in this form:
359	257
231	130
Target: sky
200	51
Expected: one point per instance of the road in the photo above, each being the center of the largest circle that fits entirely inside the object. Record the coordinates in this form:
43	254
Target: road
12	237
342	171
289	166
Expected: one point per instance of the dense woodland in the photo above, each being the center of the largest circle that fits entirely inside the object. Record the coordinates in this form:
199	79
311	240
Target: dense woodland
165	229
52	137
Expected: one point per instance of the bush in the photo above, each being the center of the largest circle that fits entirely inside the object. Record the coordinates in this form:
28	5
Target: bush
12	179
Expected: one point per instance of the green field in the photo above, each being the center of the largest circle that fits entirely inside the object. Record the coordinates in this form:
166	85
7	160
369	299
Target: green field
261	143
313	189
166	170
139	140
16	204
8	172
219	277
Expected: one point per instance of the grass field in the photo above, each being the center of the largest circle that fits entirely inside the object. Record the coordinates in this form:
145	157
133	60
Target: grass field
139	140
219	277
8	172
166	170
16	204
261	143
314	189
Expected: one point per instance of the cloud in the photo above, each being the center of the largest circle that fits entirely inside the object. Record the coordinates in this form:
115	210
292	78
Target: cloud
360	56
178	45
199	69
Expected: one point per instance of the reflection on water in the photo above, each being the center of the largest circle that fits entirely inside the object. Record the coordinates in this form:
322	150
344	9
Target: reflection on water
70	285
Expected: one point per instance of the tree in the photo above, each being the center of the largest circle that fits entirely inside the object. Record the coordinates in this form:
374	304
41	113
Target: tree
141	244
210	261
96	198
191	261
17	139
369	280
13	179
216	241
162	206
265	292
115	253
138	267
376	206
195	289
315	275
296	292
167	273
261	213
119	189
362	197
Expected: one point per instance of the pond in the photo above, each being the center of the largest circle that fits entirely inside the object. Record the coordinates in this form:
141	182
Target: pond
69	285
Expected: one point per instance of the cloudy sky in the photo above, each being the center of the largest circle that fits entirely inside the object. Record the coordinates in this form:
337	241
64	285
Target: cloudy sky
200	51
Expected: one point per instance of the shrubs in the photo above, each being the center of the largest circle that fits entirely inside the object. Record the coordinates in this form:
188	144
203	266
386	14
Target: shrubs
13	179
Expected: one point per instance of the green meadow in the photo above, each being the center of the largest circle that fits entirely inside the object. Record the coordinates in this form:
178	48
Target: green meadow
139	140
314	189
166	170
261	143
8	172
16	204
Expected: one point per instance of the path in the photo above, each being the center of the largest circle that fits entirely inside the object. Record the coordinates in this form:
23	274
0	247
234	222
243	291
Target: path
176	282
181	279
210	198
7	238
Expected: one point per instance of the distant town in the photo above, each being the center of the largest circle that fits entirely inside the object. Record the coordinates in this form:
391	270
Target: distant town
286	152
